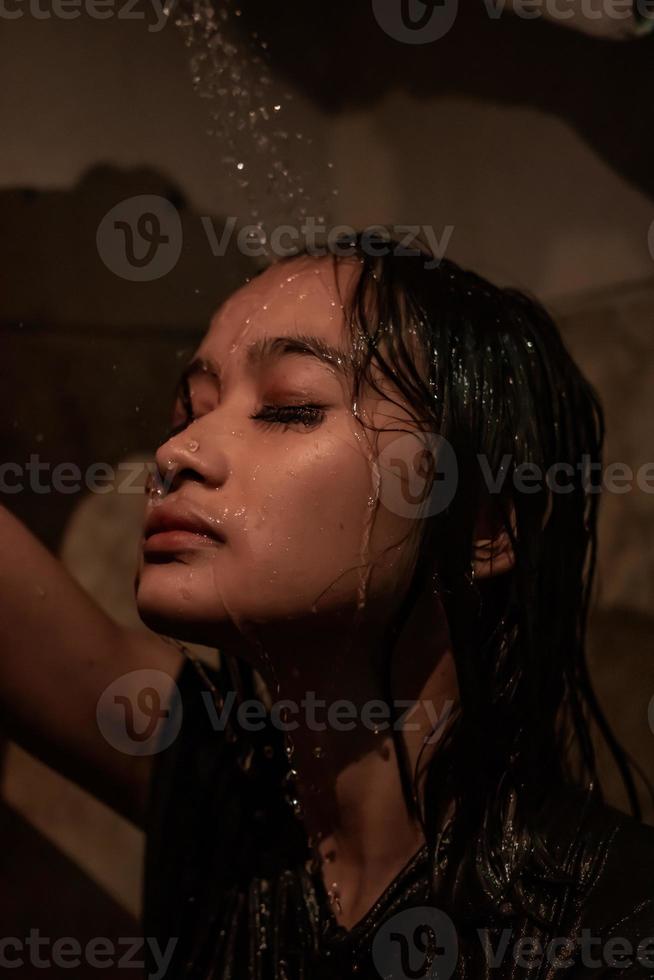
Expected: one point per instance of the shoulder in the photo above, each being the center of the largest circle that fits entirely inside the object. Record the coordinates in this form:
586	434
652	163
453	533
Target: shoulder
608	857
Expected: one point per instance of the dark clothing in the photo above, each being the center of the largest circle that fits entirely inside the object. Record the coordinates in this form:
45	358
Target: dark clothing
229	876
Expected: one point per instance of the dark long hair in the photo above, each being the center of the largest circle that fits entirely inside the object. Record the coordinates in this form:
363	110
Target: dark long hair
486	369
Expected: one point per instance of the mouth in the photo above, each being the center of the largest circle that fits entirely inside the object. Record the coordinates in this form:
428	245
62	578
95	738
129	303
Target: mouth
170	530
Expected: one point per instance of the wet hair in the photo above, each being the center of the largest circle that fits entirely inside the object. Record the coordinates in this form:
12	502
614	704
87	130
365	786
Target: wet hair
485	368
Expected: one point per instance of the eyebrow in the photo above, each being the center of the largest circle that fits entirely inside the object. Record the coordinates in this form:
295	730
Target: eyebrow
271	348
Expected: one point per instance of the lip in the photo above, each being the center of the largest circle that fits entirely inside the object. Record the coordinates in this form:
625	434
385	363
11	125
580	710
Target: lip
173	527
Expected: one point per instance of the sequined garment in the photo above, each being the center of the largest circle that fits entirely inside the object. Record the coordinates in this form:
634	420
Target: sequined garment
229	878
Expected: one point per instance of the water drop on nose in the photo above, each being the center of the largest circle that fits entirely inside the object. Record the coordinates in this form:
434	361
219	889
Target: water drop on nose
193	446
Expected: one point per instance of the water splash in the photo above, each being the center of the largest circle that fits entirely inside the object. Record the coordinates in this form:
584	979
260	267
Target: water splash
252	118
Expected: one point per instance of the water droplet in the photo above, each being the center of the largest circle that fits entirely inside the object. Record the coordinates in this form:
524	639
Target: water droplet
193	446
246	102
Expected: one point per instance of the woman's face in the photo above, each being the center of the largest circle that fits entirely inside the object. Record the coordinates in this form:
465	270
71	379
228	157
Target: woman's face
268	517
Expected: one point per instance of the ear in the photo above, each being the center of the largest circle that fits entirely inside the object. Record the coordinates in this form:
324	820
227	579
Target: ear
493	556
493	551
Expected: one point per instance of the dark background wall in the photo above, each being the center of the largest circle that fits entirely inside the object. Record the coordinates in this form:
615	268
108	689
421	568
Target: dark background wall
533	142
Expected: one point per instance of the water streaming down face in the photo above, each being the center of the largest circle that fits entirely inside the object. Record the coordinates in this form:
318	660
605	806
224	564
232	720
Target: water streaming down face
296	283
297	498
253	127
259	141
308	540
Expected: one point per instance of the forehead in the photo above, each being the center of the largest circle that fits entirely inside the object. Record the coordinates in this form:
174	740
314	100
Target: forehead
304	296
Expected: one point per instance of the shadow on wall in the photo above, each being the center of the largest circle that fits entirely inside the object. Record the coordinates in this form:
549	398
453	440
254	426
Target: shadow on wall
338	55
44	896
93	342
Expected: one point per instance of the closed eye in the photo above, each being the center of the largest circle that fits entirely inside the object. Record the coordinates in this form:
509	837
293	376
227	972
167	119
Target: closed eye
308	416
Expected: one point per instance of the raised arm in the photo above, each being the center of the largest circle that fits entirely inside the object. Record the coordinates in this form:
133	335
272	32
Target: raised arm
59	652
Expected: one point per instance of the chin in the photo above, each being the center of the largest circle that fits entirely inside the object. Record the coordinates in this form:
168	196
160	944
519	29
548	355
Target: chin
172	599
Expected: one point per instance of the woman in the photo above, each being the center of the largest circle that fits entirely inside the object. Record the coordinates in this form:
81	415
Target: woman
348	508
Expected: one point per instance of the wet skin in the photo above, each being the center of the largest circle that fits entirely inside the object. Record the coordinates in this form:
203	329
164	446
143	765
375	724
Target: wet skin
274	462
270	539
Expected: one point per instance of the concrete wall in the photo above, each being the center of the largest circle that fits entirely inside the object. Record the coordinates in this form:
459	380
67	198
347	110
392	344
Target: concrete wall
535	145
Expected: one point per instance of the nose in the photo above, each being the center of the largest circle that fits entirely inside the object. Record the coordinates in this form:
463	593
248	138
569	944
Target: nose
194	455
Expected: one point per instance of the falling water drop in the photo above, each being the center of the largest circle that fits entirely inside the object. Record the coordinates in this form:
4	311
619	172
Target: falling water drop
234	71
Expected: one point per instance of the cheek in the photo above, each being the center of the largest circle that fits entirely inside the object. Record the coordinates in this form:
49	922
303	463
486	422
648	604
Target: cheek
316	526
313	505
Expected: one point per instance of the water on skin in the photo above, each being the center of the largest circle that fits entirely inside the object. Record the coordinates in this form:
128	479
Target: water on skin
295	779
249	124
364	569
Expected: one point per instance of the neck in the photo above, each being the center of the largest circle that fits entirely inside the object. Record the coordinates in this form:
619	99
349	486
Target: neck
344	752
